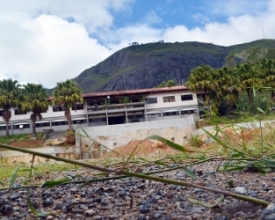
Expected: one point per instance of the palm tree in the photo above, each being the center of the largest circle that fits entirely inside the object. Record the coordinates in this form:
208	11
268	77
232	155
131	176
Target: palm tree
267	68
8	99
249	80
203	79
67	94
228	88
35	101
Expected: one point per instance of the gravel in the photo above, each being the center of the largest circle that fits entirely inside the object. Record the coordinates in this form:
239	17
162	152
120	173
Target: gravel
132	198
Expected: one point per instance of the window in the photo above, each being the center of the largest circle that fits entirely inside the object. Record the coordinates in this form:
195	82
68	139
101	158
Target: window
19	112
58	123
58	108
78	107
187	112
153	115
81	121
186	97
151	100
21	126
171	113
42	124
169	99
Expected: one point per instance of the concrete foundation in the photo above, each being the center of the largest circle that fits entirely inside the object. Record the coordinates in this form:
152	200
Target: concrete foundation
111	136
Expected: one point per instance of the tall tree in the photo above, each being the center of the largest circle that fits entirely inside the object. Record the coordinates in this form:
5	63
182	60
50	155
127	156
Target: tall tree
203	79
8	99
267	68
67	94
228	88
35	101
249	80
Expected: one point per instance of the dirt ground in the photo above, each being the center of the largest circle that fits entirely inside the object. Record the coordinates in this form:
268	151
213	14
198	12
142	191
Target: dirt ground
145	148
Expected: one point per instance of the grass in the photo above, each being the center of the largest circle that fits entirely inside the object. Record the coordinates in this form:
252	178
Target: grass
45	169
19	137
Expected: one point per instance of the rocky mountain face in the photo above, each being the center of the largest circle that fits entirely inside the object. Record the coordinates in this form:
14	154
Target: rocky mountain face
147	65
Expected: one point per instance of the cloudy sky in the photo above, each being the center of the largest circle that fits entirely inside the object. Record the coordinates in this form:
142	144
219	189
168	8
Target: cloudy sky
51	41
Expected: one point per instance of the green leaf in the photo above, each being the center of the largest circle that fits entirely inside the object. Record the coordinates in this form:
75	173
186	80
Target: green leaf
189	172
206	204
39	214
45	214
160	163
1	183
57	182
32	208
233	168
14	175
167	142
237	154
261	110
215	138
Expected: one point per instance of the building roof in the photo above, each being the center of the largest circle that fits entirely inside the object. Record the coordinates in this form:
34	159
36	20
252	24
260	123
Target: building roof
135	92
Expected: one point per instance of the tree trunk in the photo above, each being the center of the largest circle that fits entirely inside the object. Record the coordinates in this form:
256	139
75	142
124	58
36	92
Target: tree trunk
33	128
250	100
7	116
7	129
69	119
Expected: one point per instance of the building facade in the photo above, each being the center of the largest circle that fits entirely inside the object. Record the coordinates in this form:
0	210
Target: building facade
110	108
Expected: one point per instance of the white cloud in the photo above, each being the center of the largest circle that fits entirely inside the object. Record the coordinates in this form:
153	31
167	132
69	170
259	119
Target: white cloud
152	18
236	7
46	50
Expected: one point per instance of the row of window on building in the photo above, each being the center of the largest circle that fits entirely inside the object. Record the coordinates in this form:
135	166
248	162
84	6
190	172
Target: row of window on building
55	109
153	100
42	124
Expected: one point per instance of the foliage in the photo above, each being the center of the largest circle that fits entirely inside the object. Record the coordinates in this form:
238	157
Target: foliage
168	83
246	86
34	100
195	141
9	95
67	94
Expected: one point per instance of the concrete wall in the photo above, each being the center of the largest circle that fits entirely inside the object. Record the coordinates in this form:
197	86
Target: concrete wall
112	136
63	152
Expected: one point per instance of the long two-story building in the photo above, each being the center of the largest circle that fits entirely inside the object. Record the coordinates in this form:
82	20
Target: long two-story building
110	108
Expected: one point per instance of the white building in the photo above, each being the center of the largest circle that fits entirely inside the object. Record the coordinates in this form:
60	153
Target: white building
109	108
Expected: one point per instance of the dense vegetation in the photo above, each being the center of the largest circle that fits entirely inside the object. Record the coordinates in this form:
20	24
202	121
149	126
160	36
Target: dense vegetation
237	86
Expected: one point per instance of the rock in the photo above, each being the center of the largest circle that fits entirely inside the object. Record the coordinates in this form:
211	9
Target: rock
89	212
6	209
48	202
240	189
269	212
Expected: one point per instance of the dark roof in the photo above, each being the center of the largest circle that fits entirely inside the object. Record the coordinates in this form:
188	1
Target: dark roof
135	92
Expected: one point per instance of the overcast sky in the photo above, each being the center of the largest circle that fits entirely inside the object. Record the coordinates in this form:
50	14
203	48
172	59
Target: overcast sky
51	41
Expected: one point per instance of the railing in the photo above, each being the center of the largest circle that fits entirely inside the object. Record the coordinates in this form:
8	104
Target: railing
132	106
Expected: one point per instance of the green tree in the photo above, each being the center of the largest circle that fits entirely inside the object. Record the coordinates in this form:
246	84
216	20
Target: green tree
169	83
249	80
228	88
67	94
267	68
35	101
8	99
203	79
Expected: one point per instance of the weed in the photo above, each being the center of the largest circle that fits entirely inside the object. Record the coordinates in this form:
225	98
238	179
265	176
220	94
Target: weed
195	141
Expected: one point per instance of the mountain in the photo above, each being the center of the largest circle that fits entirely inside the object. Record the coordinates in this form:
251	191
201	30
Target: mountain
147	65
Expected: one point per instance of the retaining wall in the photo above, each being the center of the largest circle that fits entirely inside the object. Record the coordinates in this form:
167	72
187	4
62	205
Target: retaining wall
177	130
